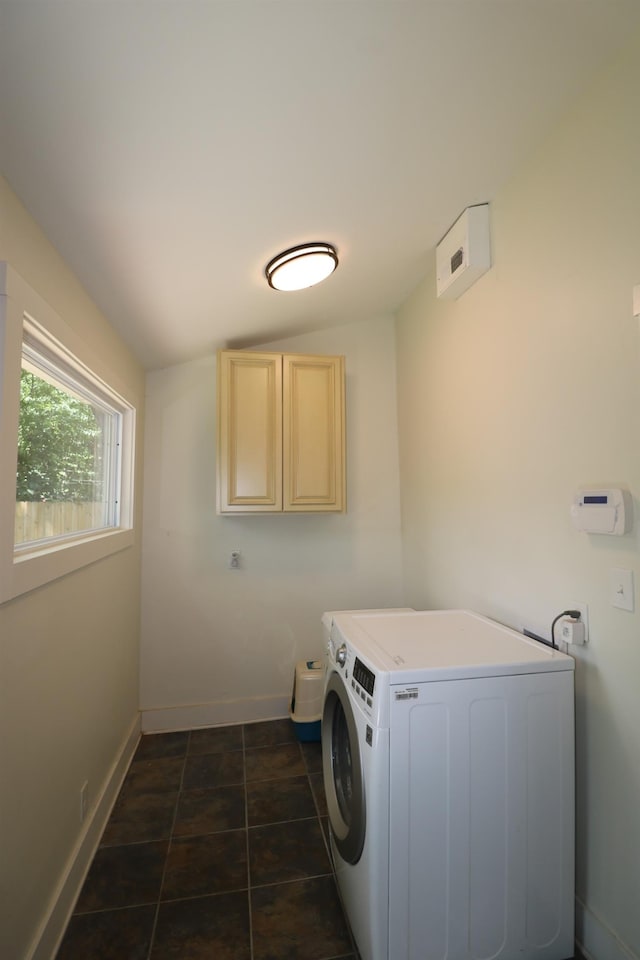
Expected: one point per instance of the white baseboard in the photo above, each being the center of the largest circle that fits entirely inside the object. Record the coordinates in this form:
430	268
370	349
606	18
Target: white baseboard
189	716
51	930
596	940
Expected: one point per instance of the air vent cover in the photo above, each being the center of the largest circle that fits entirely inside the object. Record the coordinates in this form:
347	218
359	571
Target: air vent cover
464	254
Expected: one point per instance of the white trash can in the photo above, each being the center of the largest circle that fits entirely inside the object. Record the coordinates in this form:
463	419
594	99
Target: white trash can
306	699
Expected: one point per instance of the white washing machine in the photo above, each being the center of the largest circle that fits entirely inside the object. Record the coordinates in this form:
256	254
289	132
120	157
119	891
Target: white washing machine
448	757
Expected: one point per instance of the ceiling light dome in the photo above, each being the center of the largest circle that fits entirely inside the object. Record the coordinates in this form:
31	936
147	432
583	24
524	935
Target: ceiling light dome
301	266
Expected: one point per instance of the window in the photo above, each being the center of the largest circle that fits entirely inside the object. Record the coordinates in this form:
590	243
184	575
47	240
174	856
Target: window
66	435
69	440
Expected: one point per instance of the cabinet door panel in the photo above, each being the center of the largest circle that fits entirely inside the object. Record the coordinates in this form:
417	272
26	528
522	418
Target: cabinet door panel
313	433
249	432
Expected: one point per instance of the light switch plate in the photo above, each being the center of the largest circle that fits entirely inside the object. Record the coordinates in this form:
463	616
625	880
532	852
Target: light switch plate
621	591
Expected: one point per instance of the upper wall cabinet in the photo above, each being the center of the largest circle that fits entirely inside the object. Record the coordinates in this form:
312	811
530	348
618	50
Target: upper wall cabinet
281	433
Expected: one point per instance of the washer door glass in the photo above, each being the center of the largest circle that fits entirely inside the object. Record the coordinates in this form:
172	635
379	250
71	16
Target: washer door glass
342	767
342	763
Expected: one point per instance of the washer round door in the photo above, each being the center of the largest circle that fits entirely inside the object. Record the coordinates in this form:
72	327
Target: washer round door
342	768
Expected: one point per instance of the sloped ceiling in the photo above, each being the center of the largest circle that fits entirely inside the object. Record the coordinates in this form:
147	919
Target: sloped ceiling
169	148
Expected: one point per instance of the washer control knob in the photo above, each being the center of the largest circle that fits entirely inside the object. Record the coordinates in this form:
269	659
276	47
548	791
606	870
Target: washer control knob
341	655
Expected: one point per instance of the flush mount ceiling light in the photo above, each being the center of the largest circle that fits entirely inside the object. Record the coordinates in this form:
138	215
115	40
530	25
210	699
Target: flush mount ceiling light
301	266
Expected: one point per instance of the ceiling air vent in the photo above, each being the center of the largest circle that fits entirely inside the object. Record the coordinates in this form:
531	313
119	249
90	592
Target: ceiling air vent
464	254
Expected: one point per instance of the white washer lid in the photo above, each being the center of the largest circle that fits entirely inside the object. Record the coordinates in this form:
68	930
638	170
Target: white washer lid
446	644
330	615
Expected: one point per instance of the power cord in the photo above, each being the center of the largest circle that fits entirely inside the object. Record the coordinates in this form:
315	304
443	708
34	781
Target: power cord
574	614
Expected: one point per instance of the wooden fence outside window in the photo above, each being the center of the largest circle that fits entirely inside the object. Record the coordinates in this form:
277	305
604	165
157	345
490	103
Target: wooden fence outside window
37	520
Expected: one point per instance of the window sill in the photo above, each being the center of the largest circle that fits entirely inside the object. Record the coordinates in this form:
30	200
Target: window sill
33	568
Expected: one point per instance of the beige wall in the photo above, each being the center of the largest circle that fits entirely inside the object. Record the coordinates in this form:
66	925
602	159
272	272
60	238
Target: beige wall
68	653
219	644
511	399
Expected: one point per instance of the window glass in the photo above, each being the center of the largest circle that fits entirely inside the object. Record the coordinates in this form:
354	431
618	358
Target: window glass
67	458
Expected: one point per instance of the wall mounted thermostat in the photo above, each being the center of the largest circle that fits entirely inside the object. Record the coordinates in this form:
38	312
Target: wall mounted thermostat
602	511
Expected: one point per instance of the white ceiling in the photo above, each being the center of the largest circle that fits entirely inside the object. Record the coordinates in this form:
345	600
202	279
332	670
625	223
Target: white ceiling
169	148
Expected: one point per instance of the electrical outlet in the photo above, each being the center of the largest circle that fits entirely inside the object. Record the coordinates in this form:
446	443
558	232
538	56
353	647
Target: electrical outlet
234	560
84	800
584	616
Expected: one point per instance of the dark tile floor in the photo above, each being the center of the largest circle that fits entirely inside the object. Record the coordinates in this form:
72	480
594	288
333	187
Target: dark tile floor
215	849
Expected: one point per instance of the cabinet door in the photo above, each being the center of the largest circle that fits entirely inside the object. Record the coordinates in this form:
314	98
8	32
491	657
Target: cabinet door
249	432
313	434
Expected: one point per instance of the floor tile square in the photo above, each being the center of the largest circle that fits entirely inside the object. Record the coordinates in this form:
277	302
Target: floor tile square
273	763
299	921
123	876
109	935
209	810
197	866
161	775
215	740
287	851
155	746
140	816
269	733
213	770
271	801
207	928
312	753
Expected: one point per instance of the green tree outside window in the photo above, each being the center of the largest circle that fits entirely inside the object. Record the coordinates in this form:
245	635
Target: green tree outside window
59	445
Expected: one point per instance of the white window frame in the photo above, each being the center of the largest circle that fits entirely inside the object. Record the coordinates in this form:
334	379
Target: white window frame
28	566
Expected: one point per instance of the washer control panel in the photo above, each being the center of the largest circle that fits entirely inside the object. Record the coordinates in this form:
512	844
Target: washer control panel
359	679
363	676
362	682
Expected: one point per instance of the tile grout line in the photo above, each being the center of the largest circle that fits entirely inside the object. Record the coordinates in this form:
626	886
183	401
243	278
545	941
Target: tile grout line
316	804
166	859
246	827
310	771
327	846
325	838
